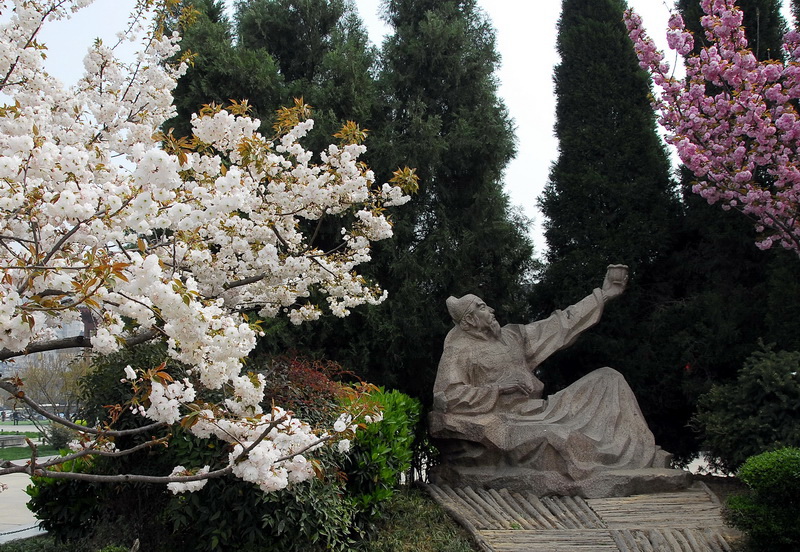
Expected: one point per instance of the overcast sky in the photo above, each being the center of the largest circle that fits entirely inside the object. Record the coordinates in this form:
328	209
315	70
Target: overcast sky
526	36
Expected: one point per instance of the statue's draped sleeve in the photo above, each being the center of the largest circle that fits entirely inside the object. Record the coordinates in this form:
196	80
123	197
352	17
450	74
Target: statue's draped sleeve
561	329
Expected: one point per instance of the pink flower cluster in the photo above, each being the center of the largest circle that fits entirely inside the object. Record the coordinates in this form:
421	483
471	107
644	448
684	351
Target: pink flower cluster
732	118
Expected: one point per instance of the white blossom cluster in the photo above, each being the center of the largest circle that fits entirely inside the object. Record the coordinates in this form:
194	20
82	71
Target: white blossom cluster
178	487
95	213
276	458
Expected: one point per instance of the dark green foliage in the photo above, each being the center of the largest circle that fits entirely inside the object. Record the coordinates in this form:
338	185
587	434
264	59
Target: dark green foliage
757	412
58	436
321	515
796	13
68	509
770	513
37	544
434	107
701	295
228	514
381	453
235	515
222	71
103	384
763	23
610	199
714	293
322	54
412	522
441	115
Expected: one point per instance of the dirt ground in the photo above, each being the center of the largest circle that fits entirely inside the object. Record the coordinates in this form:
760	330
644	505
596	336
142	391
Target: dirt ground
721	486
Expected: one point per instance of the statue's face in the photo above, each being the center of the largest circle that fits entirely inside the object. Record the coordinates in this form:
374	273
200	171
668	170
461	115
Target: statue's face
484	318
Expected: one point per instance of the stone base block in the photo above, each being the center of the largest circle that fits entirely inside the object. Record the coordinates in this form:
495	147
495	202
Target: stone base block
603	484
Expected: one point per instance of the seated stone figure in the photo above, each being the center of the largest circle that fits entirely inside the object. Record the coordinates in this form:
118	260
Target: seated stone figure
494	429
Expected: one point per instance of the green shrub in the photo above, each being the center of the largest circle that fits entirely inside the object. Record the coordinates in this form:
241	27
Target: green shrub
759	411
382	452
88	515
770	513
67	508
235	515
231	514
58	436
227	514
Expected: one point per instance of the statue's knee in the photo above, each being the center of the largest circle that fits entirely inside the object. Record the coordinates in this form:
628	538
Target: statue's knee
609	372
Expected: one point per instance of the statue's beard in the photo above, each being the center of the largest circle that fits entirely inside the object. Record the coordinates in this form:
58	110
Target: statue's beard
494	328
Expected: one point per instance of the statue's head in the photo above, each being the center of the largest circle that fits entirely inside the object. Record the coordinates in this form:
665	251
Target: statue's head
470	313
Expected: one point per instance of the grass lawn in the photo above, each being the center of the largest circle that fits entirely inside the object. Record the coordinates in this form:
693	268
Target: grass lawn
28	434
21	453
413	522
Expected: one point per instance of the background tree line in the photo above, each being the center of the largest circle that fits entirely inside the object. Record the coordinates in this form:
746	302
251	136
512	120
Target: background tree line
701	294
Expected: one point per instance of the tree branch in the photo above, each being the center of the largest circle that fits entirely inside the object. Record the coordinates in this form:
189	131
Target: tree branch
20	395
159	479
26	468
73	342
52	345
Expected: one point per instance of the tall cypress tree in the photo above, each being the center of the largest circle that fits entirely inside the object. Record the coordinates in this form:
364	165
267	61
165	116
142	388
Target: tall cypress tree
610	196
609	199
441	115
323	55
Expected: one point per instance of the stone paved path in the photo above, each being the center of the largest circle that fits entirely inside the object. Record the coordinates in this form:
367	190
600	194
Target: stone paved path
502	521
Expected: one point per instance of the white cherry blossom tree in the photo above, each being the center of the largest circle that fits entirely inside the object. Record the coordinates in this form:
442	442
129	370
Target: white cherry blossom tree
169	239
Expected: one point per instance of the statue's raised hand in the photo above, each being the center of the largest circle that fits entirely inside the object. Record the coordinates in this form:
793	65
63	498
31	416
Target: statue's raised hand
615	281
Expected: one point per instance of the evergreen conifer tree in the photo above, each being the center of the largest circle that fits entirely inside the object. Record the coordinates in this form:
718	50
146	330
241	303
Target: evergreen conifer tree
610	196
438	112
221	70
441	115
323	55
435	108
610	199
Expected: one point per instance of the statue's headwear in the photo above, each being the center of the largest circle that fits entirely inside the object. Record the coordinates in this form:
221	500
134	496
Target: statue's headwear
461	307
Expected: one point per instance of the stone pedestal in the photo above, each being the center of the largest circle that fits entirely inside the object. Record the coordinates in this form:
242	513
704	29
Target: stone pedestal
602	484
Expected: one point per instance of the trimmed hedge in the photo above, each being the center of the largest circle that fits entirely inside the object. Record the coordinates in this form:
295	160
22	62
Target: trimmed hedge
770	513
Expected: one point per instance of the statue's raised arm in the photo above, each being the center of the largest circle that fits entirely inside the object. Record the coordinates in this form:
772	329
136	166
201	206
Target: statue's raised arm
562	328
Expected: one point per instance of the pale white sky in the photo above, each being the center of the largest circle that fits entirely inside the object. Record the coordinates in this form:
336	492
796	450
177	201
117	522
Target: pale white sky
526	37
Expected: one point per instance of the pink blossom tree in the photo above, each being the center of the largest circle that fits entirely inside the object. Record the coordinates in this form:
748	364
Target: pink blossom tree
733	120
171	239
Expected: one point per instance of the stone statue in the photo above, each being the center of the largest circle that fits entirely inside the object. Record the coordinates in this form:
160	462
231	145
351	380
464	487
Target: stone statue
494	429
